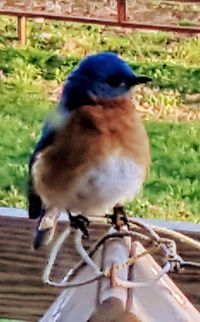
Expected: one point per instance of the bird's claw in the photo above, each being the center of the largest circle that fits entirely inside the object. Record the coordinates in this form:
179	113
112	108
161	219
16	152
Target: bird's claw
118	218
42	237
80	222
45	229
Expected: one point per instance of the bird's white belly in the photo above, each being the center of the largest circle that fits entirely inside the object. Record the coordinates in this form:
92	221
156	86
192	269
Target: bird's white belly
115	181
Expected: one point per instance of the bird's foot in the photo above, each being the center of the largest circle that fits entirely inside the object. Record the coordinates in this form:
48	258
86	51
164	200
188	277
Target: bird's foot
80	222
119	218
43	237
46	228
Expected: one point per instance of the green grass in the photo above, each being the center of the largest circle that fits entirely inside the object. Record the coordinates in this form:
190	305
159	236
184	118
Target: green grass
8	320
50	66
171	191
30	76
55	48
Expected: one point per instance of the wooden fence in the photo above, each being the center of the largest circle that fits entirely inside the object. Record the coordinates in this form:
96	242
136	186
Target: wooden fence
24	296
120	19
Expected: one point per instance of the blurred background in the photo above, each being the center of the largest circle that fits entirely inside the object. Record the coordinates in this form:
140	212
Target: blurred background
31	79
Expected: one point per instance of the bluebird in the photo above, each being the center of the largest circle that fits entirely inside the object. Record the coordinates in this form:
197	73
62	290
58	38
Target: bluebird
93	153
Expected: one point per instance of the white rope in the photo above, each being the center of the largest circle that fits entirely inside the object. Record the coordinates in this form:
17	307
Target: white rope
53	255
128	284
177	235
140	223
82	252
86	257
99	243
64	282
154	230
88	260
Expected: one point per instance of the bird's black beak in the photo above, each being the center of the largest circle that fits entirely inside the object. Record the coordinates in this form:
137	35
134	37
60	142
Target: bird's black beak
136	80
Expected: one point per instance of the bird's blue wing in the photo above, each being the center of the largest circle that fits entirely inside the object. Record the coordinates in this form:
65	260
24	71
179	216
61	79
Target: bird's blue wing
35	207
49	131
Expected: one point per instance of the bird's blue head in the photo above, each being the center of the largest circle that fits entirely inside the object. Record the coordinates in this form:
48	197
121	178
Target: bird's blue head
103	75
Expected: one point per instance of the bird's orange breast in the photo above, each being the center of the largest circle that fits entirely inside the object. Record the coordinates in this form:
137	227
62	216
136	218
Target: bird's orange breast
91	135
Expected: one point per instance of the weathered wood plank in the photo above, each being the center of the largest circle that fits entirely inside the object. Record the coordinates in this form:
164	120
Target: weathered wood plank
22	292
162	299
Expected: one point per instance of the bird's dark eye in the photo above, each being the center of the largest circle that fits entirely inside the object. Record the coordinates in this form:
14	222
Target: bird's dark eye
114	80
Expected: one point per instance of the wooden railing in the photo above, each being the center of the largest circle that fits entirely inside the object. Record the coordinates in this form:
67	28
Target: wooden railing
24	296
121	19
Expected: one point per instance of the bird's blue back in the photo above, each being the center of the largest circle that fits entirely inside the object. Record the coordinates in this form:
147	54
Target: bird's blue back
100	76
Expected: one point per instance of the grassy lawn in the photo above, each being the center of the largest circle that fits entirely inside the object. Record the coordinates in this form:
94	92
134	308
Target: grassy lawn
8	320
30	79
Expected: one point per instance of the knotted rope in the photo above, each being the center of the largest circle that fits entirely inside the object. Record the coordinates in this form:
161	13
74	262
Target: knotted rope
146	233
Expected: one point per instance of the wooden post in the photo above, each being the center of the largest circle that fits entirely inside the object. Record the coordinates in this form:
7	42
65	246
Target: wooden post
116	252
162	299
66	308
121	10
21	24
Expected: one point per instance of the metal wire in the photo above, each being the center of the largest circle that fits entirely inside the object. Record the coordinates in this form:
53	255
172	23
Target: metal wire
189	264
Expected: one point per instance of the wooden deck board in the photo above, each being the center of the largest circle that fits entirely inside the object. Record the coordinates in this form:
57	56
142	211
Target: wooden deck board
22	292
